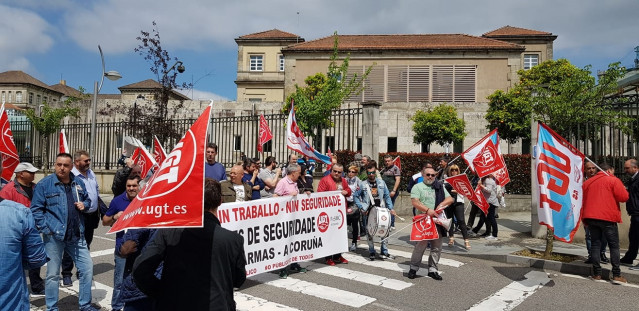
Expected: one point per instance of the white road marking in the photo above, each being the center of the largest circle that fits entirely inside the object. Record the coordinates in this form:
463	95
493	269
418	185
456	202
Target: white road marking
248	302
382	264
101	294
442	260
363	277
514	293
601	281
320	291
102	252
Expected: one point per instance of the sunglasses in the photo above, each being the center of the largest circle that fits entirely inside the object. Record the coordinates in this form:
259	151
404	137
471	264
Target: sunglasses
454	169
370	173
334	171
430	175
354	172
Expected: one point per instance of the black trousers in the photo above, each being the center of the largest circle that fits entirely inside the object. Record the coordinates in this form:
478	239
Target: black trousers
633	239
457	209
91	221
599	228
353	221
37	283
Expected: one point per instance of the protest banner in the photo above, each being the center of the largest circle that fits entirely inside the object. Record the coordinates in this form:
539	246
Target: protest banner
283	230
559	172
174	195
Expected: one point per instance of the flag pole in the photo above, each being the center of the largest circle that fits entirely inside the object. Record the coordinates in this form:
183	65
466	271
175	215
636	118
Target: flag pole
597	166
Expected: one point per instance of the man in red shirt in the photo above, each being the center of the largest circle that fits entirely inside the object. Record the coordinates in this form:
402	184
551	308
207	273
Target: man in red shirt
335	182
601	213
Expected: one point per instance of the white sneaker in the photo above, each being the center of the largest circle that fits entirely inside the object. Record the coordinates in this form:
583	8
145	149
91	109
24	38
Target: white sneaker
353	247
491	238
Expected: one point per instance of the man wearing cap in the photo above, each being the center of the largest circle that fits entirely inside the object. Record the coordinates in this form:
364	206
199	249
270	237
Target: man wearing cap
21	190
58	202
81	170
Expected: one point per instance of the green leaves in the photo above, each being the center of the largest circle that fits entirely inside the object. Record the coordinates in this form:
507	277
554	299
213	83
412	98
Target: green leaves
440	125
565	97
49	120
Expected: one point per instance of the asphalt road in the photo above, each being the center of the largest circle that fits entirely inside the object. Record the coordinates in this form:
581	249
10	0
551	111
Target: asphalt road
469	284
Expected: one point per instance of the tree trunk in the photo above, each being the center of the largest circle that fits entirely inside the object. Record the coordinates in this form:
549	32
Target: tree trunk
45	152
550	238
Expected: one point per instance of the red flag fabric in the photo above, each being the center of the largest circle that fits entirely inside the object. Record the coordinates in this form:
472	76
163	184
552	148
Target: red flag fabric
397	162
484	157
64	146
424	228
8	150
174	196
502	175
462	185
265	134
144	160
158	151
296	141
480	201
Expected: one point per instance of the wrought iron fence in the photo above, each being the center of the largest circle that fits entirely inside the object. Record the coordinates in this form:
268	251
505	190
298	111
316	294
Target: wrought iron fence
234	135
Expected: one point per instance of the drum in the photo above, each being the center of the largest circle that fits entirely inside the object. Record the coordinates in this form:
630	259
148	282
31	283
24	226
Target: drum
379	220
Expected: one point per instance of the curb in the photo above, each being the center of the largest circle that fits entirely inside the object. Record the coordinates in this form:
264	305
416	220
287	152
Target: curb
575	267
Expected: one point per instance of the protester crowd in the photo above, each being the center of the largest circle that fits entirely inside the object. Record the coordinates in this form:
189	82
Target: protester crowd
64	208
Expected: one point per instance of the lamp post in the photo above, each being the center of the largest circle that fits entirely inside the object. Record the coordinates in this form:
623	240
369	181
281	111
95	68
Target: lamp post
111	75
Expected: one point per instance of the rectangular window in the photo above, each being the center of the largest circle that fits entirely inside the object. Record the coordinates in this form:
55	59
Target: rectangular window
397	81
423	148
530	60
374	84
253	99
19	97
256	63
392	144
31	98
330	143
418	83
268	146
443	78
4	96
281	62
464	83
359	144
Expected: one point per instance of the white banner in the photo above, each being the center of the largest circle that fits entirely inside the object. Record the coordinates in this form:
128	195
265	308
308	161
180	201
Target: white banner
283	230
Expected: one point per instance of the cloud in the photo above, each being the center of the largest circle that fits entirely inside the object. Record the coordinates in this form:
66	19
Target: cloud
22	32
202	95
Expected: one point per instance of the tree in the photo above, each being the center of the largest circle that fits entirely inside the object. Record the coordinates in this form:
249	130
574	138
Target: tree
323	93
564	97
559	94
48	122
153	116
440	125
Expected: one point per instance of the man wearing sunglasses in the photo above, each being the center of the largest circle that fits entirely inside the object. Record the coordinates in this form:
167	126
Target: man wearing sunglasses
335	182
380	194
429	197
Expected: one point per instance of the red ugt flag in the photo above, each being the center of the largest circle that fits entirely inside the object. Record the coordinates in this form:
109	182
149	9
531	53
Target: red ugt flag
265	134
64	146
397	162
484	157
174	196
424	228
462	185
158	152
144	160
8	150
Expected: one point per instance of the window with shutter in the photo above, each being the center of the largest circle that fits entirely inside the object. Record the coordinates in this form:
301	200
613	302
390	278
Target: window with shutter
350	74
397	83
418	83
374	85
443	83
465	83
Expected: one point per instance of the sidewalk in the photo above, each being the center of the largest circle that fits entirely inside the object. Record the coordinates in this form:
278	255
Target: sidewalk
515	235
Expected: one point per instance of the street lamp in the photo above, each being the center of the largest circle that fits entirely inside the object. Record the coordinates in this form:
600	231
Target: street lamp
111	75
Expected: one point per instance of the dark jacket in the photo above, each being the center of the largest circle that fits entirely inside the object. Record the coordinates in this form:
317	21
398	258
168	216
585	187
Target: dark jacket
632	206
201	267
130	291
229	195
305	183
119	181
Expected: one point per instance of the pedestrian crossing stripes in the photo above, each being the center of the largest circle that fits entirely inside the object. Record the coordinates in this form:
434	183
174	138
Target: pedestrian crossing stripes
249	303
442	261
363	277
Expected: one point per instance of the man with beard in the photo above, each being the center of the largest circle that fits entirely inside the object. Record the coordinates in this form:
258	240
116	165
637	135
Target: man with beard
429	197
379	192
270	176
335	182
250	177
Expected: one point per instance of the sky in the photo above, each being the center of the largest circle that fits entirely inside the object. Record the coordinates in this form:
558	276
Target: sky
58	39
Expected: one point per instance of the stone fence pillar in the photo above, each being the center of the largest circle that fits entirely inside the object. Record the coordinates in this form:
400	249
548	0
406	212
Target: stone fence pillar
370	129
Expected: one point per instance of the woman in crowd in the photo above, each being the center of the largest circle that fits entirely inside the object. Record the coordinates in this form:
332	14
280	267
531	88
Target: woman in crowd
456	209
488	187
353	209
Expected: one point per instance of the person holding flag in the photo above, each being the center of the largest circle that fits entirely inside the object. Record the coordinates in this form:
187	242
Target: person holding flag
488	186
391	175
429	197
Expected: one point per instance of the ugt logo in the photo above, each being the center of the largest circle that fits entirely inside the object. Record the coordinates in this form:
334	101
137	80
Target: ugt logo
323	222
174	170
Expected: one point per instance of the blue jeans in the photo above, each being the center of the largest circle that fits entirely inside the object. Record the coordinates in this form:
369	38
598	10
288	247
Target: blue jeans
118	275
80	255
371	245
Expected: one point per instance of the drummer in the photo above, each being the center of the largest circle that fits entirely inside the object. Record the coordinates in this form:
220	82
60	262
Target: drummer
375	193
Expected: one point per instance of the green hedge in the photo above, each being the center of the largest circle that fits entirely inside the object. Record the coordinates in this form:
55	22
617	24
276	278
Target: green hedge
518	166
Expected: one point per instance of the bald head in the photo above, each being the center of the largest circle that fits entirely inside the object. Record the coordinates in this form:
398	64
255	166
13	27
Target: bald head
236	174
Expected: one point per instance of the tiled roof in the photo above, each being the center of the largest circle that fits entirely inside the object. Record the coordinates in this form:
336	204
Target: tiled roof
405	42
66	90
146	84
150	84
270	34
515	31
19	77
